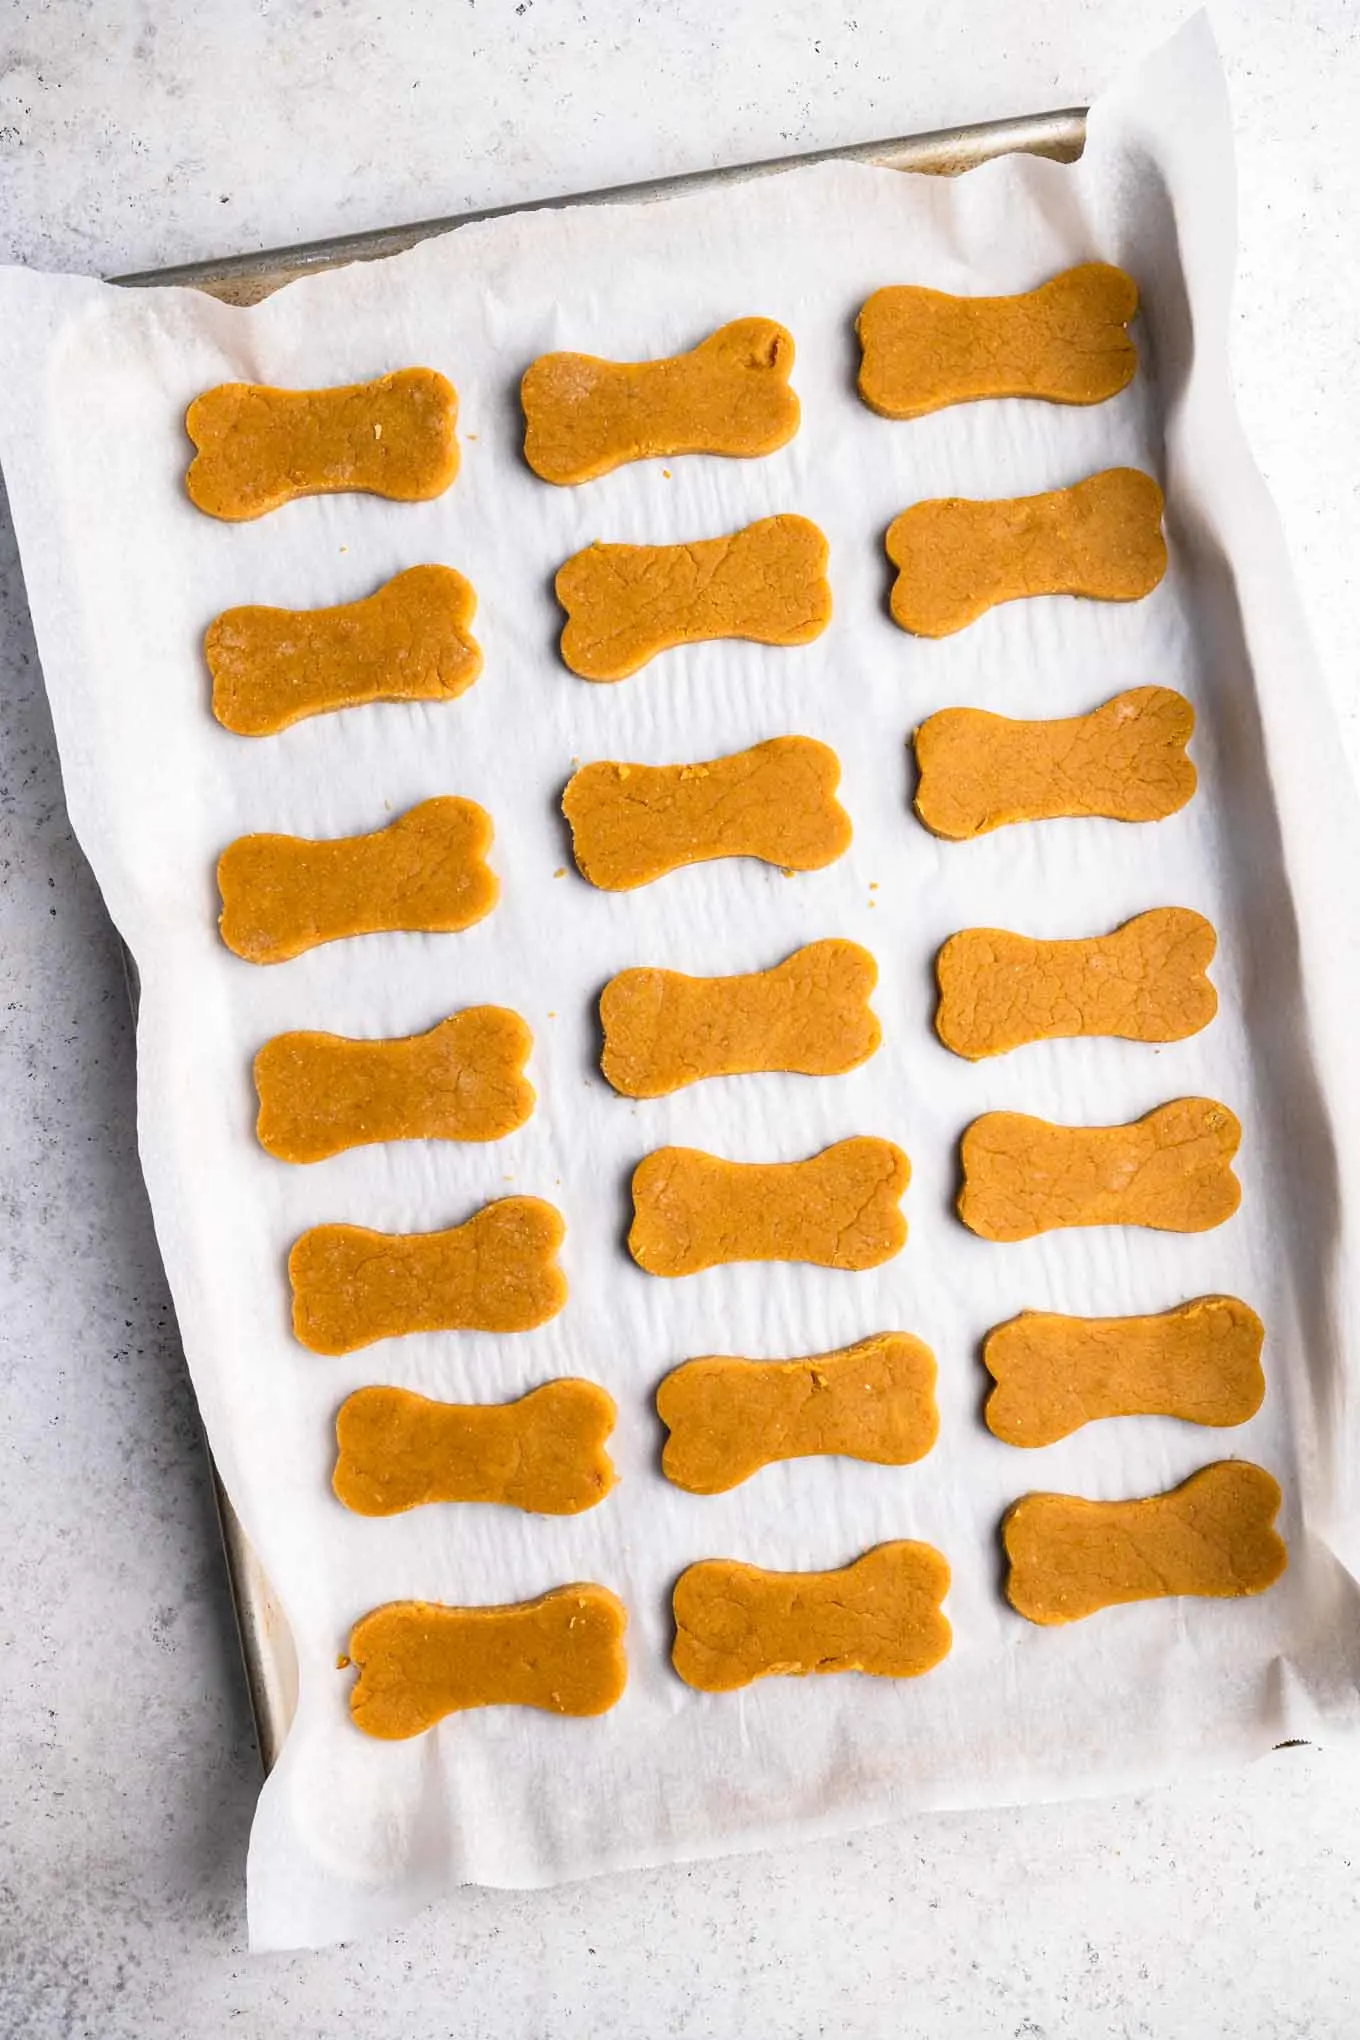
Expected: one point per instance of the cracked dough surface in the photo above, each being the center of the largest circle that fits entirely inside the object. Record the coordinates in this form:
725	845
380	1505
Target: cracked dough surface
729	395
809	1015
1213	1535
729	1417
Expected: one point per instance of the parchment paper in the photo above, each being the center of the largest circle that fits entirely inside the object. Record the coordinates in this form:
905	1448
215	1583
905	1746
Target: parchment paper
124	575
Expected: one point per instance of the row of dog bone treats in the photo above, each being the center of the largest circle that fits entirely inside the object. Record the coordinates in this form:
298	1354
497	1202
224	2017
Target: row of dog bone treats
256	449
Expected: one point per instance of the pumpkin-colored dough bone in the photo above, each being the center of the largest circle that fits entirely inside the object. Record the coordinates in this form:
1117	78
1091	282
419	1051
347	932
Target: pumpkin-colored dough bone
729	395
259	447
1213	1535
881	1615
1125	761
418	1661
544	1453
729	1417
1066	342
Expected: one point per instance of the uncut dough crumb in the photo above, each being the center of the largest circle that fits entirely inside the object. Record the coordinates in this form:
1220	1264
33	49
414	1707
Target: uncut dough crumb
409	642
544	1453
809	1015
463	1080
1066	342
837	1209
1171	1170
1145	982
1125	761
729	1417
882	1615
1200	1362
1212	1536
729	395
418	1661
426	872
626	603
956	558
631	824
259	447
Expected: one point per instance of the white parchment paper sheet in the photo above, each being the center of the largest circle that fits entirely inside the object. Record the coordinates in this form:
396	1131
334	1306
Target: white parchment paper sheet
124	575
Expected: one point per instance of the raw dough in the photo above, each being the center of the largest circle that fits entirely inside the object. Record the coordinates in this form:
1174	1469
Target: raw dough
631	824
1200	1362
498	1272
418	1661
1065	342
321	1093
260	447
426	871
809	1015
626	603
1125	760
409	642
735	1623
957	558
837	1209
730	394
1145	982
544	1453
1212	1535
727	1417
1171	1170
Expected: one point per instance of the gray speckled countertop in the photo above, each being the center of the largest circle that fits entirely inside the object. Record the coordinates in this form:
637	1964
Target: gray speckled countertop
133	134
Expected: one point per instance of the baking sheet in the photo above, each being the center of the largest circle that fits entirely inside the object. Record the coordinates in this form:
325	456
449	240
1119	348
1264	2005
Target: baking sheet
123	576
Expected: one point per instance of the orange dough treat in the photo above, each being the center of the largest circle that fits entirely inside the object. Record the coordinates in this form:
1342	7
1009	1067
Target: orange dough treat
544	1453
631	824
626	603
1125	760
810	1015
1171	1170
1065	342
727	1417
730	394
426	871
957	558
1212	1535
259	447
1145	982
837	1209
498	1272
418	1661
736	1623
321	1093
409	642
1200	1362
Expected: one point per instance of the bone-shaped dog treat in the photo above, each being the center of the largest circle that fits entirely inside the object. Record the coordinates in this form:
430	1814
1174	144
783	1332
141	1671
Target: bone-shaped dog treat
631	824
626	603
1125	760
1212	1536
418	1661
882	1615
1171	1170
957	557
544	1453
837	1209
259	447
728	1417
497	1272
426	871
809	1015
1145	982
1200	1362
730	394
1065	342
409	642
321	1093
